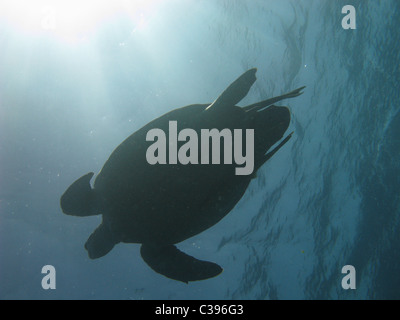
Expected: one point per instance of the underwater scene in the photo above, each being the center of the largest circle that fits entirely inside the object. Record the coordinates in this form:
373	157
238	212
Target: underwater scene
200	150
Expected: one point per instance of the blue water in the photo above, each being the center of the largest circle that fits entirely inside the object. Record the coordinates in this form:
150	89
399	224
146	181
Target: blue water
76	80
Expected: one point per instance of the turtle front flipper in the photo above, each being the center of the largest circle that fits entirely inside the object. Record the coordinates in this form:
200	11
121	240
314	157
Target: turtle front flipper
174	264
265	103
235	92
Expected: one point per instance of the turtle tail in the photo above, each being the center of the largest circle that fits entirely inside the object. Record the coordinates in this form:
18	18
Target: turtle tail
78	199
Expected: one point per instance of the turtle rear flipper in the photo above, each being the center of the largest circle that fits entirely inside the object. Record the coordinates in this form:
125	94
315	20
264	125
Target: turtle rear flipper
174	264
100	242
78	199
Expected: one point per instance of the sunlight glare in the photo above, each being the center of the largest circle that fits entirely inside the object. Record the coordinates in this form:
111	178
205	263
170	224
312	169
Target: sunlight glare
72	20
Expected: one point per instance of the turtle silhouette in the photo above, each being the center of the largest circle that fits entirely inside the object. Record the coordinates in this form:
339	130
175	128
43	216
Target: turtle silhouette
160	205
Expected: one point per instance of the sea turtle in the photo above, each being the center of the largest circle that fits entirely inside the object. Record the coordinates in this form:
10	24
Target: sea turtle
159	205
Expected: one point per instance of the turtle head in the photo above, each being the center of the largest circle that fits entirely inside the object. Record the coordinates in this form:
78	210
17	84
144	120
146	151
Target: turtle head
270	125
